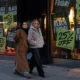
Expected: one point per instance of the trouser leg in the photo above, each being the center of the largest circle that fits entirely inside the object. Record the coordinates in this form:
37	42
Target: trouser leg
37	60
31	64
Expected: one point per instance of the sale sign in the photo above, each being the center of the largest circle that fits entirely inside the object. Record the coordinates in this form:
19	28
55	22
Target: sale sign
65	39
2	43
8	20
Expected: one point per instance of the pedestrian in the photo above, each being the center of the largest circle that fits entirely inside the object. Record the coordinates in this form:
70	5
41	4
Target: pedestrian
35	40
21	62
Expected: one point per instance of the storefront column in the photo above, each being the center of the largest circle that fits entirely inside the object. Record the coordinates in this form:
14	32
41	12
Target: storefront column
48	35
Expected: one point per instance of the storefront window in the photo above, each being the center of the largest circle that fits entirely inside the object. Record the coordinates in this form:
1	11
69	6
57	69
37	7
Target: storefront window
65	15
8	7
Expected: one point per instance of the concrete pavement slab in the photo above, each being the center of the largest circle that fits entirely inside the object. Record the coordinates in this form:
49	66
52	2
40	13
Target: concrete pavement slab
51	72
60	78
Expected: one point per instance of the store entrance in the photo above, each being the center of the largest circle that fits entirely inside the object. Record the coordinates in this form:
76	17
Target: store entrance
28	10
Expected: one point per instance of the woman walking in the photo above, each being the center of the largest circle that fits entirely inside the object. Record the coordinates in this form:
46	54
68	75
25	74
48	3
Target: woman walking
36	42
21	62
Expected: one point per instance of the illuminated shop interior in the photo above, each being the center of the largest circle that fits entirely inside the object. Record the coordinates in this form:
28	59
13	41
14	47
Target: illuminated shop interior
8	6
58	52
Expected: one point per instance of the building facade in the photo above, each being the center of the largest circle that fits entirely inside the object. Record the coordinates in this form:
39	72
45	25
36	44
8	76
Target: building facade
62	14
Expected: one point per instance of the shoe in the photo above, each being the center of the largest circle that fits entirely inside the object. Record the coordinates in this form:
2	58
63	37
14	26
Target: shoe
28	76
42	76
16	72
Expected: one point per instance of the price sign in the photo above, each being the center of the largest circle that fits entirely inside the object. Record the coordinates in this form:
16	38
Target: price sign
65	39
2	43
9	20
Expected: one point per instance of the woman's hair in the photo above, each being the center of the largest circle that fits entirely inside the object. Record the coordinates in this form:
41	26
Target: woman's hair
37	22
28	24
20	25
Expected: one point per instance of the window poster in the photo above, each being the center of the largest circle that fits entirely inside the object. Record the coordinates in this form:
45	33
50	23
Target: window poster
65	39
9	20
59	23
2	43
61	7
12	9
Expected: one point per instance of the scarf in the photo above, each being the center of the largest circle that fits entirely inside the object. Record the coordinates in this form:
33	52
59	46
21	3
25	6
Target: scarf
26	30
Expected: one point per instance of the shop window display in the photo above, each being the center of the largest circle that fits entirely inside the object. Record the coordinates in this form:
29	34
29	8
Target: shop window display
72	18
6	7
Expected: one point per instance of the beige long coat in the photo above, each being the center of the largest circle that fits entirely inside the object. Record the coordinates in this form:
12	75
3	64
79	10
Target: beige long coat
21	62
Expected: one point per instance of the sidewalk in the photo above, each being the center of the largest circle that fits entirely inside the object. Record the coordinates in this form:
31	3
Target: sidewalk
51	72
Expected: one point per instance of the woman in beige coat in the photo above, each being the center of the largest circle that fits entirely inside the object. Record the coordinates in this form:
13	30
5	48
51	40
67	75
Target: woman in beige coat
21	62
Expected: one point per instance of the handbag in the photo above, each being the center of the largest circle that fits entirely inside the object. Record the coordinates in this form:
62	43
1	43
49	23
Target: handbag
29	55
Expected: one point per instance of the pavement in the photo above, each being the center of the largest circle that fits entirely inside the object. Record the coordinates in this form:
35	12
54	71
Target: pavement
51	72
